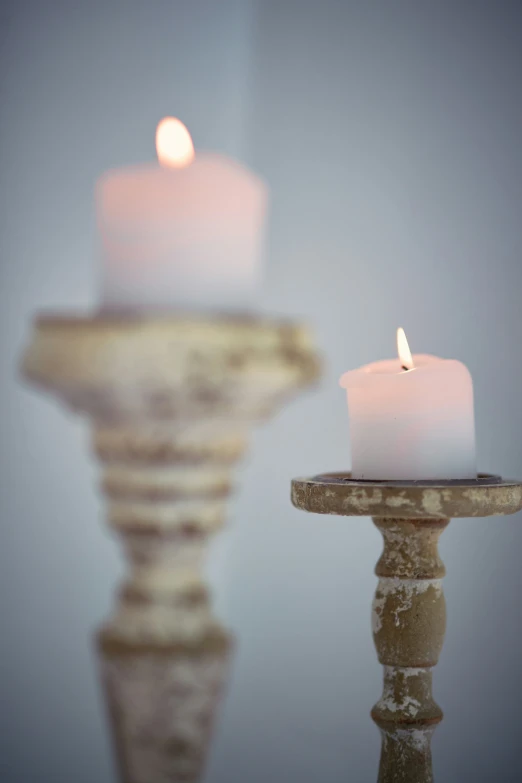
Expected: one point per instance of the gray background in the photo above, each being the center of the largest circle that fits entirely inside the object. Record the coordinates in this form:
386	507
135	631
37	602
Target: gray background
389	133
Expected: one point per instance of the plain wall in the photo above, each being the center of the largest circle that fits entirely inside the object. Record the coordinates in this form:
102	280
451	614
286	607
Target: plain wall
389	134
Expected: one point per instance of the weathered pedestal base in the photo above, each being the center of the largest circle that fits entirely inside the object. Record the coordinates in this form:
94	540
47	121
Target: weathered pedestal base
409	611
171	401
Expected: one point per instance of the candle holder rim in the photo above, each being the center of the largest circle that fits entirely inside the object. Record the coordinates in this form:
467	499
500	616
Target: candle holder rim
345	477
336	493
104	318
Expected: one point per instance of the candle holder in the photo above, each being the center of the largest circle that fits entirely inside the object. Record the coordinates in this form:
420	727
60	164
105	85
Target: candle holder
171	401
409	611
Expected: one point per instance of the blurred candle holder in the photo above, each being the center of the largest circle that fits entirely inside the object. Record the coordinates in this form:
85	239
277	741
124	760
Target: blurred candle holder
409	610
171	400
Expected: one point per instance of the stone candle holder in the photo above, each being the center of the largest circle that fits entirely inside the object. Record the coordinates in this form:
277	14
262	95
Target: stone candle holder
171	402
409	611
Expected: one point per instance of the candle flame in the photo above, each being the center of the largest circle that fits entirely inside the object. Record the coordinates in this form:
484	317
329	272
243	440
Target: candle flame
403	349
174	145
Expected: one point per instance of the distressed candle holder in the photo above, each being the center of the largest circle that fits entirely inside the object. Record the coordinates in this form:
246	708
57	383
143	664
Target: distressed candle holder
409	611
171	402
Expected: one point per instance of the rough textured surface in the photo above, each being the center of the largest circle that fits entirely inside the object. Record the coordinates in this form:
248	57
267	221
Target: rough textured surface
171	401
408	612
406	756
337	493
170	368
175	694
408	623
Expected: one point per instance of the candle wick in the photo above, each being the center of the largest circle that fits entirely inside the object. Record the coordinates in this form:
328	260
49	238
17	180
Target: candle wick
405	368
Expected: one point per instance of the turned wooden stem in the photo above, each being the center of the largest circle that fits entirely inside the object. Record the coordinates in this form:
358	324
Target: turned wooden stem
167	489
164	656
408	623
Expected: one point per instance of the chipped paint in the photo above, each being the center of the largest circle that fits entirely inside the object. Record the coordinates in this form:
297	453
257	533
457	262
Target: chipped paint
408	706
397	501
403	591
377	611
406	672
431	502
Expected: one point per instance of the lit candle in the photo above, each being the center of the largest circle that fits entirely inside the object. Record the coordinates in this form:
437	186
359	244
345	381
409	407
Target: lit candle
184	233
411	418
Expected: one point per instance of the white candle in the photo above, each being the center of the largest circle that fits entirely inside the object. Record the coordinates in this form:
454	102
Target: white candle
186	232
411	418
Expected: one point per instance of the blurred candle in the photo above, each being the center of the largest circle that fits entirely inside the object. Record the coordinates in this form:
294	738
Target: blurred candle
411	418
184	233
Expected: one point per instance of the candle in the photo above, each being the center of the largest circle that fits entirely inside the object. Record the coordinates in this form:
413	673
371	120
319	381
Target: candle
183	233
411	418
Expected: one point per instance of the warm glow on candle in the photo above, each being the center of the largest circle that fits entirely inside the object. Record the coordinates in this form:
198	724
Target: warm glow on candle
174	145
403	350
